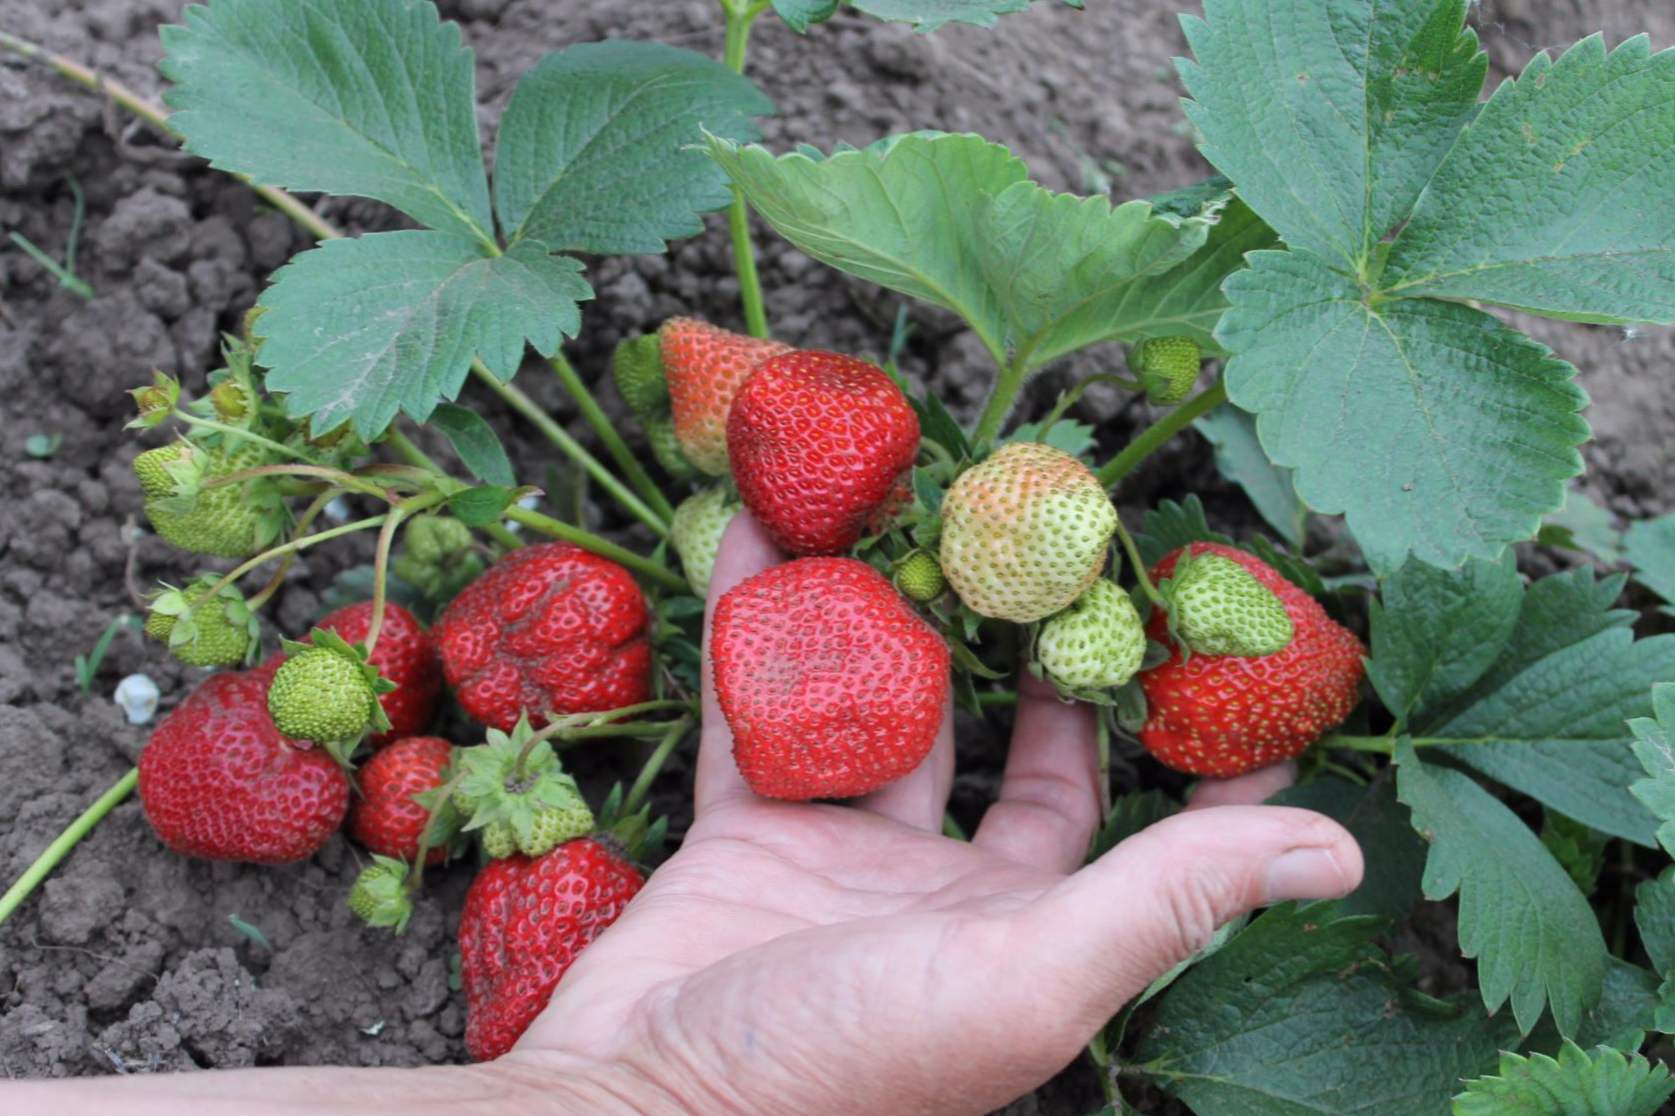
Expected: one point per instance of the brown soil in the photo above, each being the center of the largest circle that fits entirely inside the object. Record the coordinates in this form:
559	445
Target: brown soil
128	960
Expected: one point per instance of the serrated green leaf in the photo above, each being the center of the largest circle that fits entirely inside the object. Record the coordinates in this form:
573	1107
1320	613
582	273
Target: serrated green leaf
800	15
1654	917
1627	1008
1560	197
1533	934
361	329
1331	116
926	491
953	220
476	443
1074	438
1435	632
1437	430
1649	546
927	15
1579	849
1187	300
1654	748
1241	460
1300	1014
1548	716
1171	525
597	149
483	505
939	426
1583	525
1396	860
1598	1082
374	98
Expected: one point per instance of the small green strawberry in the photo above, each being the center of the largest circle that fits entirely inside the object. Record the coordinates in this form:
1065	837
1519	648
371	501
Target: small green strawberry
696	532
665	446
1217	607
437	557
532	808
327	691
637	367
155	402
380	895
919	577
201	630
1167	366
225	520
1095	644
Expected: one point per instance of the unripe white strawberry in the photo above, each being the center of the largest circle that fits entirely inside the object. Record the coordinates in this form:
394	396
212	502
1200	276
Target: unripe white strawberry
1219	608
1025	532
1096	643
696	532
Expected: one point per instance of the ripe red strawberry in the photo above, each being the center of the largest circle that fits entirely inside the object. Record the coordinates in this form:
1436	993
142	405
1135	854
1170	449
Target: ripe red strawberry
386	818
820	444
217	780
832	684
549	629
1224	715
406	656
704	366
525	920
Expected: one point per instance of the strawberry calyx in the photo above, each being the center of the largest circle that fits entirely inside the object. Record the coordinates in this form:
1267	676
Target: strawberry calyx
327	692
514	793
202	625
382	895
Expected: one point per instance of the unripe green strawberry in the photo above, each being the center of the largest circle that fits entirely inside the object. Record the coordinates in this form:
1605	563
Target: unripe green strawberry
227	520
1095	644
437	538
231	400
696	532
919	577
324	692
1025	532
201	630
379	895
530	809
665	446
436	556
637	368
1219	608
1167	366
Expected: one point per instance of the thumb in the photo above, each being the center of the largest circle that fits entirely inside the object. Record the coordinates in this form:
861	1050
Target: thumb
1159	897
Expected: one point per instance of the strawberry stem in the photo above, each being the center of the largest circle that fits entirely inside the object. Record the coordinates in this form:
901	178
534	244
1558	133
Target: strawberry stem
304	521
653	765
417	457
243	435
618	449
1068	399
1160	432
61	846
381	574
1001	398
1140	574
740	16
645	567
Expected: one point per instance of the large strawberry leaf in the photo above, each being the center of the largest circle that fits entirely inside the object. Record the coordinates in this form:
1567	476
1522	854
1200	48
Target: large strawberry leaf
597	150
1331	116
953	220
799	15
1434	428
1241	459
1532	932
1654	747
1542	706
1580	221
1598	1082
367	97
1302	1014
1649	546
357	330
1390	879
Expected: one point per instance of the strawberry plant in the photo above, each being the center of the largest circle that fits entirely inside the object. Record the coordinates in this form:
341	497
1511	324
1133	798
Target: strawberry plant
1323	310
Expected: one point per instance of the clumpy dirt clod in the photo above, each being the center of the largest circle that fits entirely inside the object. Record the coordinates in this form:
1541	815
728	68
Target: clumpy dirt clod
130	958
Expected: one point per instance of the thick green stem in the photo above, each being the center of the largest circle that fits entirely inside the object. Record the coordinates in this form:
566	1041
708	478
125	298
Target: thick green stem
60	848
561	438
1140	573
739	19
244	435
381	575
618	449
558	529
1004	394
653	765
1386	745
1160	432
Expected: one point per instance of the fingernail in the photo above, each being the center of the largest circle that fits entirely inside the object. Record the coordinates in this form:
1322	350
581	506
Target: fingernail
1311	873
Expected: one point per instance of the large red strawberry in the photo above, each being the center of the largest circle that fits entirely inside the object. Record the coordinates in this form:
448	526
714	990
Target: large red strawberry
820	445
1224	715
525	920
386	818
217	780
549	629
405	655
832	684
704	366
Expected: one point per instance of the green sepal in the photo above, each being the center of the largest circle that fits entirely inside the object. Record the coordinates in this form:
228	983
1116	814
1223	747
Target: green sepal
541	809
358	654
381	895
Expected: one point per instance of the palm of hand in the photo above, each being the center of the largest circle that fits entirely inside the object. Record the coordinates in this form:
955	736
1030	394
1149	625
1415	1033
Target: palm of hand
812	959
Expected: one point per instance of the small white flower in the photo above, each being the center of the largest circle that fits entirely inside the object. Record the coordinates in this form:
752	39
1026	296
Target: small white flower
137	694
337	510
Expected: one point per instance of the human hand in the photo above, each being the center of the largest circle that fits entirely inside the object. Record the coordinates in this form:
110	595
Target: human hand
809	959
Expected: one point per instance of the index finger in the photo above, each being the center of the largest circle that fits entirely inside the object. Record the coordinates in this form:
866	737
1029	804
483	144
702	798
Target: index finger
745	551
